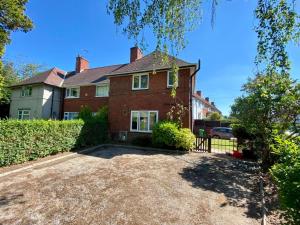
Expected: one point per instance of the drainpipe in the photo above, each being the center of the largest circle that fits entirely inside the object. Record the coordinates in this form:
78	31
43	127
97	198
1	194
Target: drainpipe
191	94
52	99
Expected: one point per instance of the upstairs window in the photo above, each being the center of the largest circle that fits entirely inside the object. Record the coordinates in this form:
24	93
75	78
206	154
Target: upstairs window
72	92
143	121
102	90
26	91
140	81
170	79
23	114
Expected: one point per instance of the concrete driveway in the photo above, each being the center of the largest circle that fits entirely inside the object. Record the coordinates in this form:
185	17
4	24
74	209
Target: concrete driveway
129	186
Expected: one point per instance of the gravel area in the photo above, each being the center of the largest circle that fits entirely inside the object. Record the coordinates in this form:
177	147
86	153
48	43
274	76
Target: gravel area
130	186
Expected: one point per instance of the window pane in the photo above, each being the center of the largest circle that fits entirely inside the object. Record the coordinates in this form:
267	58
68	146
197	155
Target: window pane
134	121
144	81
153	119
102	91
171	79
29	91
143	121
136	82
66	116
74	92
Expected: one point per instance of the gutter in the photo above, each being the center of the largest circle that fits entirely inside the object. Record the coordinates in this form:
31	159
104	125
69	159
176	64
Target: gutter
191	94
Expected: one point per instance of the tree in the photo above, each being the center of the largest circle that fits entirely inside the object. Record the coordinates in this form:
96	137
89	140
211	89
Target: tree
12	18
11	74
272	102
278	25
214	116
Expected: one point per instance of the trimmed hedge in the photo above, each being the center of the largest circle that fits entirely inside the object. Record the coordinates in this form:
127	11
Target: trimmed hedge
24	140
167	134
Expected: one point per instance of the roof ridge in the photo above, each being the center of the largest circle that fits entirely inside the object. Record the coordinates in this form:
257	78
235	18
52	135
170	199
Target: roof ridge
105	66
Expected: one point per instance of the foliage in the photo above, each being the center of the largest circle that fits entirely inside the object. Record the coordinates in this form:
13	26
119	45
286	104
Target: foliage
286	173
23	140
215	116
240	132
185	139
85	113
272	102
177	113
102	114
12	74
12	18
164	134
167	134
278	25
168	19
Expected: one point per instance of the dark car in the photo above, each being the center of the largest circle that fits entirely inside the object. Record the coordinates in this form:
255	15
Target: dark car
221	132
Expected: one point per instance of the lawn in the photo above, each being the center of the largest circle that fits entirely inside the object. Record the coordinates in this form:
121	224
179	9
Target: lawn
223	145
129	186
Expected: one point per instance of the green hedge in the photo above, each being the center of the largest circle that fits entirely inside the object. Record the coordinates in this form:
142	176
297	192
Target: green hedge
167	134
23	140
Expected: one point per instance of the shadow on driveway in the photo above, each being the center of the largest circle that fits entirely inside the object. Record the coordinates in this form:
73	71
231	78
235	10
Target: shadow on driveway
236	179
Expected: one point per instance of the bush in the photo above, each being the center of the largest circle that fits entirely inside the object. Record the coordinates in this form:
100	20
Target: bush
286	173
167	134
164	134
185	139
23	140
85	113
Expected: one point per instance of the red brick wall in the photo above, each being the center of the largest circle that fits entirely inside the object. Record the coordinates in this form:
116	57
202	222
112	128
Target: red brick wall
123	99
87	97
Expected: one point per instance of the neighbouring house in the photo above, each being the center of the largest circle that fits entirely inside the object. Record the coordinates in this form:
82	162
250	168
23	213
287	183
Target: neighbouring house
202	107
137	93
39	96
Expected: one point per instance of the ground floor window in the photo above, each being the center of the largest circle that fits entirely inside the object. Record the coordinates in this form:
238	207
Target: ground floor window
143	121
70	115
23	114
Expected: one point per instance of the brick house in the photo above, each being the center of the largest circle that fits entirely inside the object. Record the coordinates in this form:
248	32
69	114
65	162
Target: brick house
137	93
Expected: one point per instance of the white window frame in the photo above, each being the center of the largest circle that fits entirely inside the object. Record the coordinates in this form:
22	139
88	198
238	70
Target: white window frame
102	85
70	89
68	114
140	81
138	121
168	80
21	112
25	91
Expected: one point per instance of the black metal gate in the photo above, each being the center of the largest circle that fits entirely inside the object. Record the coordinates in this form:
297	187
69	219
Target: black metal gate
203	144
208	144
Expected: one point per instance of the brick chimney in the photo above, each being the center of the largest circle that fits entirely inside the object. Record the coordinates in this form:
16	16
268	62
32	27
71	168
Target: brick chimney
81	64
199	93
135	54
207	99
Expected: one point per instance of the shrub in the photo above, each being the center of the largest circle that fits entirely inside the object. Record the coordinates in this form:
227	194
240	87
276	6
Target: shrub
164	134
23	140
185	139
167	134
85	113
286	173
102	114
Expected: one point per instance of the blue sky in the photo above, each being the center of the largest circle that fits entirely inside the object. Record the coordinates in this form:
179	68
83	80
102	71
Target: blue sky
63	30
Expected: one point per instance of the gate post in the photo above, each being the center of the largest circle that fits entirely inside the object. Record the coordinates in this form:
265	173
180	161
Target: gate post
209	144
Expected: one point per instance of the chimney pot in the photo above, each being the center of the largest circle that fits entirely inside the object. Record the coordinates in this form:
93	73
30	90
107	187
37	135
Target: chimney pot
135	54
81	64
199	93
207	99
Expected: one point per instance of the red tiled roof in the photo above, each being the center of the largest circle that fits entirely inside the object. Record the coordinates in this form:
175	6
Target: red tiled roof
54	77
